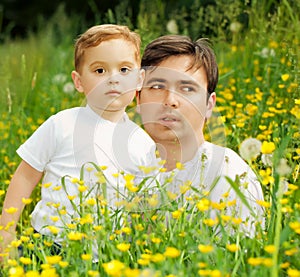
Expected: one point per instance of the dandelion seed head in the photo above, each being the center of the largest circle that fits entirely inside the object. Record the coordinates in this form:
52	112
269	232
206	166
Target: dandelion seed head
250	148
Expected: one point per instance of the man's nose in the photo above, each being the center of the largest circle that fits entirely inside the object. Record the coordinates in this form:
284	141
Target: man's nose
171	99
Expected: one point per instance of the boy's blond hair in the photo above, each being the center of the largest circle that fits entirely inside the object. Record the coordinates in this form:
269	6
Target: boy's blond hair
99	33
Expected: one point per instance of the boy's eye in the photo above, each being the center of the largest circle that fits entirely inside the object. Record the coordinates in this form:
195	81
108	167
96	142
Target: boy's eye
124	70
100	70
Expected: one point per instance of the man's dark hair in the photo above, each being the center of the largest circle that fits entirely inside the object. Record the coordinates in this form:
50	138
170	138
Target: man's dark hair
176	45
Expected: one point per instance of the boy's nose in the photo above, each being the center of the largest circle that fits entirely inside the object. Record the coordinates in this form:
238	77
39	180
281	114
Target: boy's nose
113	78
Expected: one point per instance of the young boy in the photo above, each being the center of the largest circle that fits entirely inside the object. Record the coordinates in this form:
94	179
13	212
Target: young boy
107	64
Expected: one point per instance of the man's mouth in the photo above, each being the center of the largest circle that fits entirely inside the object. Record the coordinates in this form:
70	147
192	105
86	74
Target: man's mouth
168	118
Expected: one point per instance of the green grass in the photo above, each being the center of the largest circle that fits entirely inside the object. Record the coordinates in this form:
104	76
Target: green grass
258	96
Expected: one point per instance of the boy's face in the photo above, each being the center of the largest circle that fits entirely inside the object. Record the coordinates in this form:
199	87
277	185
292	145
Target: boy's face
109	77
173	101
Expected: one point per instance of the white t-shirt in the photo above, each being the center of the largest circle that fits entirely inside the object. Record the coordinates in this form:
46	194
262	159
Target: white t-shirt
210	163
72	138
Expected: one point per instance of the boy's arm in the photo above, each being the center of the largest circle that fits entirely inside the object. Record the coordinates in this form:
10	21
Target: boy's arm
21	186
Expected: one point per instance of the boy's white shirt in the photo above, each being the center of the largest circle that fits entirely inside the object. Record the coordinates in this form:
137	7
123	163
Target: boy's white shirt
73	137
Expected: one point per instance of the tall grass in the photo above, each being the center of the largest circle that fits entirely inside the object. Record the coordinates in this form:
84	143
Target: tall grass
257	47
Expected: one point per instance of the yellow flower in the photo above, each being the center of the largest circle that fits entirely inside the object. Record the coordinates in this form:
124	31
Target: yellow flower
232	247
267	147
24	239
291	251
205	248
128	272
129	178
139	227
75	236
123	246
47	185
25	261
143	262
176	214
131	187
53	229
93	273
63	264
87	219
114	268
53	259
255	261
237	221
293	272
71	197
126	230
156	258
270	249
285	265
54	218
156	240
16	271
91	201
49	272
11	210
86	257
210	222
179	166
26	201
285	77
203	205
263	203
267	262
202	264
16	243
32	273
82	188
172	252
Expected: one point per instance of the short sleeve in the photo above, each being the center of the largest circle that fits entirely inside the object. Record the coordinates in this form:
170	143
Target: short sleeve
40	146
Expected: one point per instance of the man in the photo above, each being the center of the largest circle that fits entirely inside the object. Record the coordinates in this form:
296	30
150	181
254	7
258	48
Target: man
177	98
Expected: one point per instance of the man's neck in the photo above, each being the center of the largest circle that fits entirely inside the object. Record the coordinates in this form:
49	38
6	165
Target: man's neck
175	151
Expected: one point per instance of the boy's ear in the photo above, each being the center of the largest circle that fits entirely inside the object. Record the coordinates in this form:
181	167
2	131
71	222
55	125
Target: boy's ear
210	104
140	80
77	81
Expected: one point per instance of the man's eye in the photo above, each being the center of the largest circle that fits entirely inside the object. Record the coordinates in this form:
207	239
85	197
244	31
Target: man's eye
124	70
188	89
100	70
157	86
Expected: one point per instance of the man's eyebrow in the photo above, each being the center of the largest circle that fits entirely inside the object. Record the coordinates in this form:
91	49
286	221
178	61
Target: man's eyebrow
156	80
188	82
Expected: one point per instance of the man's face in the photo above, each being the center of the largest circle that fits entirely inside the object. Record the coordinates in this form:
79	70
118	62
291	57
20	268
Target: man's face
173	101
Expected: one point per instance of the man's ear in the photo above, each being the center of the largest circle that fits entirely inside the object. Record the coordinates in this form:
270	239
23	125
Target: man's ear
137	97
211	102
77	81
140	80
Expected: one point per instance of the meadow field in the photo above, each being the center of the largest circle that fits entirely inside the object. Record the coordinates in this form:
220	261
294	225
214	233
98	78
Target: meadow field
258	104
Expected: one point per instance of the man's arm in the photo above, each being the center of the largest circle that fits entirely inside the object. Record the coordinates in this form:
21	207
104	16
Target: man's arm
21	186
